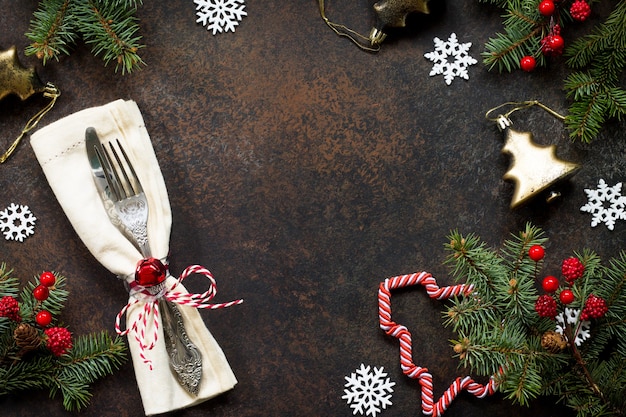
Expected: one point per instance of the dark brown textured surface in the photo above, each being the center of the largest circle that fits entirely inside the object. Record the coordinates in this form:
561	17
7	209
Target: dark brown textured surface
302	172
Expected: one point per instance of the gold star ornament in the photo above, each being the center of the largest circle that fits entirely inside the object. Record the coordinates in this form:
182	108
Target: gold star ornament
393	13
16	79
23	82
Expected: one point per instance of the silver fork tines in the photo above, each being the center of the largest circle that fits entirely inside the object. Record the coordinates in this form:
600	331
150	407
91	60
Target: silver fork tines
127	193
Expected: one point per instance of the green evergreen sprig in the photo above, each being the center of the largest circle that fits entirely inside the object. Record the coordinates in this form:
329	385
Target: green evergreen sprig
500	334
29	364
597	60
110	28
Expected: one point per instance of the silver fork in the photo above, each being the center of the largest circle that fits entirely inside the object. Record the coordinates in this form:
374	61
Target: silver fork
129	200
131	205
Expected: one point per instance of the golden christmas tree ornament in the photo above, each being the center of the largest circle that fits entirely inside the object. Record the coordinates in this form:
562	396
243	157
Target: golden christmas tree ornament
390	14
535	169
23	82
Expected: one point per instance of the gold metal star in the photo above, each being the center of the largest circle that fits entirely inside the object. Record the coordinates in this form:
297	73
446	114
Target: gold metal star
393	13
16	79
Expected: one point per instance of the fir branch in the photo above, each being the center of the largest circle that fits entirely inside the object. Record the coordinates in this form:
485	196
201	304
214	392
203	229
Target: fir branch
109	26
598	60
524	354
9	285
600	97
29	360
112	33
93	357
52	30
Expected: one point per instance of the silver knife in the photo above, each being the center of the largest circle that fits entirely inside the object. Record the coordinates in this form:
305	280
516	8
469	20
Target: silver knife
93	148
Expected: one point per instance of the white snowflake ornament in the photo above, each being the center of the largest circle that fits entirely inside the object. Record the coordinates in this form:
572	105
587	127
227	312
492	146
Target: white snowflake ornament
17	222
451	59
606	204
367	391
220	15
583	330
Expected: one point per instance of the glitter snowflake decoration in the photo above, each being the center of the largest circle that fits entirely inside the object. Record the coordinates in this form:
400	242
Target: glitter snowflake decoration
17	222
220	15
450	58
367	391
606	204
570	316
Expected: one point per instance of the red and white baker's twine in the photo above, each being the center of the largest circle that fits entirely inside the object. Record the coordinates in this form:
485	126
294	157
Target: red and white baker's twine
429	406
150	311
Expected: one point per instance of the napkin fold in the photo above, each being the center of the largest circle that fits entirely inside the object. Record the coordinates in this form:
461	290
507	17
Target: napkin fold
61	152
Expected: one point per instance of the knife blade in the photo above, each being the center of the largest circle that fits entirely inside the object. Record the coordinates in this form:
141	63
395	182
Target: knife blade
93	149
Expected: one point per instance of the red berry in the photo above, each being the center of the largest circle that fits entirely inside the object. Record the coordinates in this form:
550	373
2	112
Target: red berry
41	293
527	63
59	340
550	284
43	318
552	45
572	269
566	296
580	10
546	7
9	307
595	308
536	253
545	306
47	278
557	43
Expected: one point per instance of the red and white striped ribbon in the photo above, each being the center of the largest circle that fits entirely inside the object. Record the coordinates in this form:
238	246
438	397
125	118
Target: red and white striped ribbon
400	332
150	312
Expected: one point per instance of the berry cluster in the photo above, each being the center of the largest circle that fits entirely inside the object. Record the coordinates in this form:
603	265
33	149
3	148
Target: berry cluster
552	43
595	308
580	10
572	270
58	340
545	306
10	308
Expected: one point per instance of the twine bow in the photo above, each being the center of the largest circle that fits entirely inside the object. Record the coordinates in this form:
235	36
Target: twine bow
150	313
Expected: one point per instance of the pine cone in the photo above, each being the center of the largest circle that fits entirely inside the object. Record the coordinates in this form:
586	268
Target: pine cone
26	338
553	342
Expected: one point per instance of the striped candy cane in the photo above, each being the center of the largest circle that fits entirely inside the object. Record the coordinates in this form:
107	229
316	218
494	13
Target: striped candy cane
150	312
429	405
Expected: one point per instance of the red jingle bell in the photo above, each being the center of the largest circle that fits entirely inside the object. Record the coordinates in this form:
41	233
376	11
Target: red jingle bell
150	272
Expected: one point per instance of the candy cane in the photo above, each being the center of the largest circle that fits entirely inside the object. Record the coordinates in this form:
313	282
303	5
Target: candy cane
400	332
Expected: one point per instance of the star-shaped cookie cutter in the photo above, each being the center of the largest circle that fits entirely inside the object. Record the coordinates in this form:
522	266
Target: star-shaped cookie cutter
400	332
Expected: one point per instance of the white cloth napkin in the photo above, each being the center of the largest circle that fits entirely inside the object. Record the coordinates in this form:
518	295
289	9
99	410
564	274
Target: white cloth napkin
61	151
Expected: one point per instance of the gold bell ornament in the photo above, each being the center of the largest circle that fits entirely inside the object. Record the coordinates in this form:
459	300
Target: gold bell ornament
23	82
535	169
389	13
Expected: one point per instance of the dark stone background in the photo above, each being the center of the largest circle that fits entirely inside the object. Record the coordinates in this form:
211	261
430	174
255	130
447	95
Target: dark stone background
303	171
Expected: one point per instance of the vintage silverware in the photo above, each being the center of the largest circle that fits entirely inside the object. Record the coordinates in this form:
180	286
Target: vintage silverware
118	183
